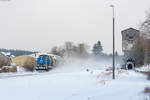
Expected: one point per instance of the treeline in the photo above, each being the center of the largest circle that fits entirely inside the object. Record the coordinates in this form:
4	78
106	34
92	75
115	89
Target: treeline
142	44
70	49
82	50
16	52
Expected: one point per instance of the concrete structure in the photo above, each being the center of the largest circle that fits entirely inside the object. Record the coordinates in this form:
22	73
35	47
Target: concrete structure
128	40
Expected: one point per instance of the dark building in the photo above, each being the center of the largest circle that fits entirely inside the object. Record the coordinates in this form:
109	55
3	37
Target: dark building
128	40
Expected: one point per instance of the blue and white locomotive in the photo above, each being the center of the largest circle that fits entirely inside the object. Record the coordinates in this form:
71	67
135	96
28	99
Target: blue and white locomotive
45	62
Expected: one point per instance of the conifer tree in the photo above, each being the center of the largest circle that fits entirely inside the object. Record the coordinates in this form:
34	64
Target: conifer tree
97	49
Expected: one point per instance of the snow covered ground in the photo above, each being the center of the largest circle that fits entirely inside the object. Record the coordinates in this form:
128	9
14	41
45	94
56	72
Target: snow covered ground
145	68
74	82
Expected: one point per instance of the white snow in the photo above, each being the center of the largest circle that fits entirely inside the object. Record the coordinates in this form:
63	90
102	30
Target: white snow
8	54
74	82
43	53
145	68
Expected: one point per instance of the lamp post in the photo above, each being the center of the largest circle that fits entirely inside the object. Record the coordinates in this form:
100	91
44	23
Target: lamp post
112	6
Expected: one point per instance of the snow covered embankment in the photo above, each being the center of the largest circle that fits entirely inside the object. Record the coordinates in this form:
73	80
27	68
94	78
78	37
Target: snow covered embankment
96	84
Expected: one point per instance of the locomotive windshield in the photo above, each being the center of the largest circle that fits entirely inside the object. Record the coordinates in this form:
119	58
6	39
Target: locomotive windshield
43	55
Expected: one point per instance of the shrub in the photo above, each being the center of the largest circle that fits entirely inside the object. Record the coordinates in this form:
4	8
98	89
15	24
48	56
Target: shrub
4	60
29	63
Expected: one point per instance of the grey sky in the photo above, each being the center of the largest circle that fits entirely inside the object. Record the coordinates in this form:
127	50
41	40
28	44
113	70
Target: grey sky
42	24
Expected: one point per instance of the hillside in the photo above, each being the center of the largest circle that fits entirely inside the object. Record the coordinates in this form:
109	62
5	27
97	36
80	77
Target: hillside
16	52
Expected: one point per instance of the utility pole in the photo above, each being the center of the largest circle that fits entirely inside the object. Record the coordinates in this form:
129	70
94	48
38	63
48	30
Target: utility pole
113	8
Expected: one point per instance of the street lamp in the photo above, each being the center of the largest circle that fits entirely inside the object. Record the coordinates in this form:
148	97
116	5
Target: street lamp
113	8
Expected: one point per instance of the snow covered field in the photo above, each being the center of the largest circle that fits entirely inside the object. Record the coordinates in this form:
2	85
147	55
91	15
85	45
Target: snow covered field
75	83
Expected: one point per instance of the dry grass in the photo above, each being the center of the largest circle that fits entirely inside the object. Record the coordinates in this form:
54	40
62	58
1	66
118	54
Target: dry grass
103	82
122	72
147	90
8	69
108	73
146	73
29	63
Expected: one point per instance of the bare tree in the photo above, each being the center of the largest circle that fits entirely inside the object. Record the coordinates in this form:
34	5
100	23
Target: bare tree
139	49
145	26
82	50
69	49
142	46
54	50
58	51
4	60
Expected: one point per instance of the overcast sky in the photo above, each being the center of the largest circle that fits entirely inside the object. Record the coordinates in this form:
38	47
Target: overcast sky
42	24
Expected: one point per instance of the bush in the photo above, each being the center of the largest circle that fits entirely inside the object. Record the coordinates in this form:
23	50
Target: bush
4	60
147	90
8	69
29	63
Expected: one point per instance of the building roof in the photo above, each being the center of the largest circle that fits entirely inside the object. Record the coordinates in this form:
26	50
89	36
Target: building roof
130	29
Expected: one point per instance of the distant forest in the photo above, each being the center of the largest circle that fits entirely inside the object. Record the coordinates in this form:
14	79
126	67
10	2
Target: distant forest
16	52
